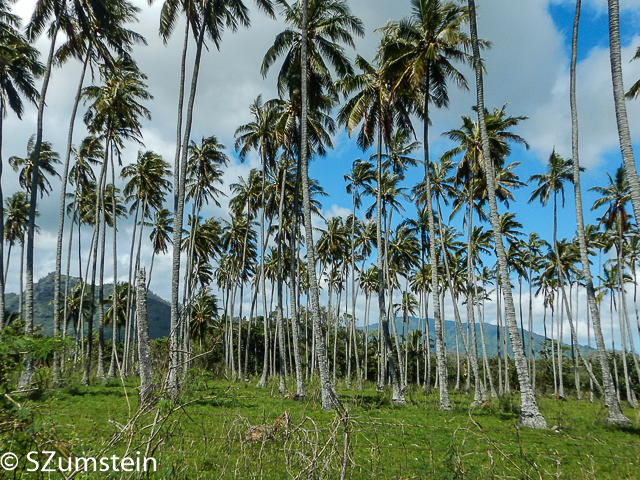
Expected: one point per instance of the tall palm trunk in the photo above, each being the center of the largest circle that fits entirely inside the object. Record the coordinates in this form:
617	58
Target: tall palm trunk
295	297
615	415
529	414
329	397
172	384
27	372
262	383
387	359
279	315
441	361
624	134
63	194
144	352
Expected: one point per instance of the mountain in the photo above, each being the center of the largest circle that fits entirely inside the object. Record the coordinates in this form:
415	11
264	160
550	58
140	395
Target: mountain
158	310
490	333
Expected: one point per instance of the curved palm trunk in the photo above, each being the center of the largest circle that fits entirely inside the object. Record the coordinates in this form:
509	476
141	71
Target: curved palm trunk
621	109
441	361
529	414
27	372
615	415
172	385
63	194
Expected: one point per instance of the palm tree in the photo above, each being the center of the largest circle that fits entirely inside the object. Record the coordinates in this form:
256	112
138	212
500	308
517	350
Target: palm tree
621	110
44	10
33	180
211	18
16	212
19	67
361	175
318	28
616	219
529	414
615	415
559	170
100	30
421	49
260	134
115	113
146	189
160	235
375	106
48	159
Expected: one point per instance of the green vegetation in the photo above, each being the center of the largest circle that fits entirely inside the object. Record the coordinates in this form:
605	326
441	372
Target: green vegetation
203	435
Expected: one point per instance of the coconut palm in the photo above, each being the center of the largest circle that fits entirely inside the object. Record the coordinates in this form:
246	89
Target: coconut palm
115	114
25	166
375	106
615	414
619	102
360	176
19	67
146	189
100	31
160	235
529	414
310	45
260	134
212	16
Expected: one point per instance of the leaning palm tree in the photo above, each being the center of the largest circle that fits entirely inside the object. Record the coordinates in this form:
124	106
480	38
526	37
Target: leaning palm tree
19	67
529	414
622	122
100	30
211	19
115	114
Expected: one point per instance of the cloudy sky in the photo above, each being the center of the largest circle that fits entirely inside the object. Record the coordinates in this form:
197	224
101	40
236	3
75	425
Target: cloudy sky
527	67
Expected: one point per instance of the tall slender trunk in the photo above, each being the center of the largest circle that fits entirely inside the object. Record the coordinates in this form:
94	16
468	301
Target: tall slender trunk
398	395
529	414
172	384
63	194
144	352
624	134
295	297
441	361
615	415
27	372
329	397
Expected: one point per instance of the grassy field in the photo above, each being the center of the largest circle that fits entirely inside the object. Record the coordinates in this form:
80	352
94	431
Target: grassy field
203	436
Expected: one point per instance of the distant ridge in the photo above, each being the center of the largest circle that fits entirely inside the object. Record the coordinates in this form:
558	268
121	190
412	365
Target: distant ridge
490	333
158	310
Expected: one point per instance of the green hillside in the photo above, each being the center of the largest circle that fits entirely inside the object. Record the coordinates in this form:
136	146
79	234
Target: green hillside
158	310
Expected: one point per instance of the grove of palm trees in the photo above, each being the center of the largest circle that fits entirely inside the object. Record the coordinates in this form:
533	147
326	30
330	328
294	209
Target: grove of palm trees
374	239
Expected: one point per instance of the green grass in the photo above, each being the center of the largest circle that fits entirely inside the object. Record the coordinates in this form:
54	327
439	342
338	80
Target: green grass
203	436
